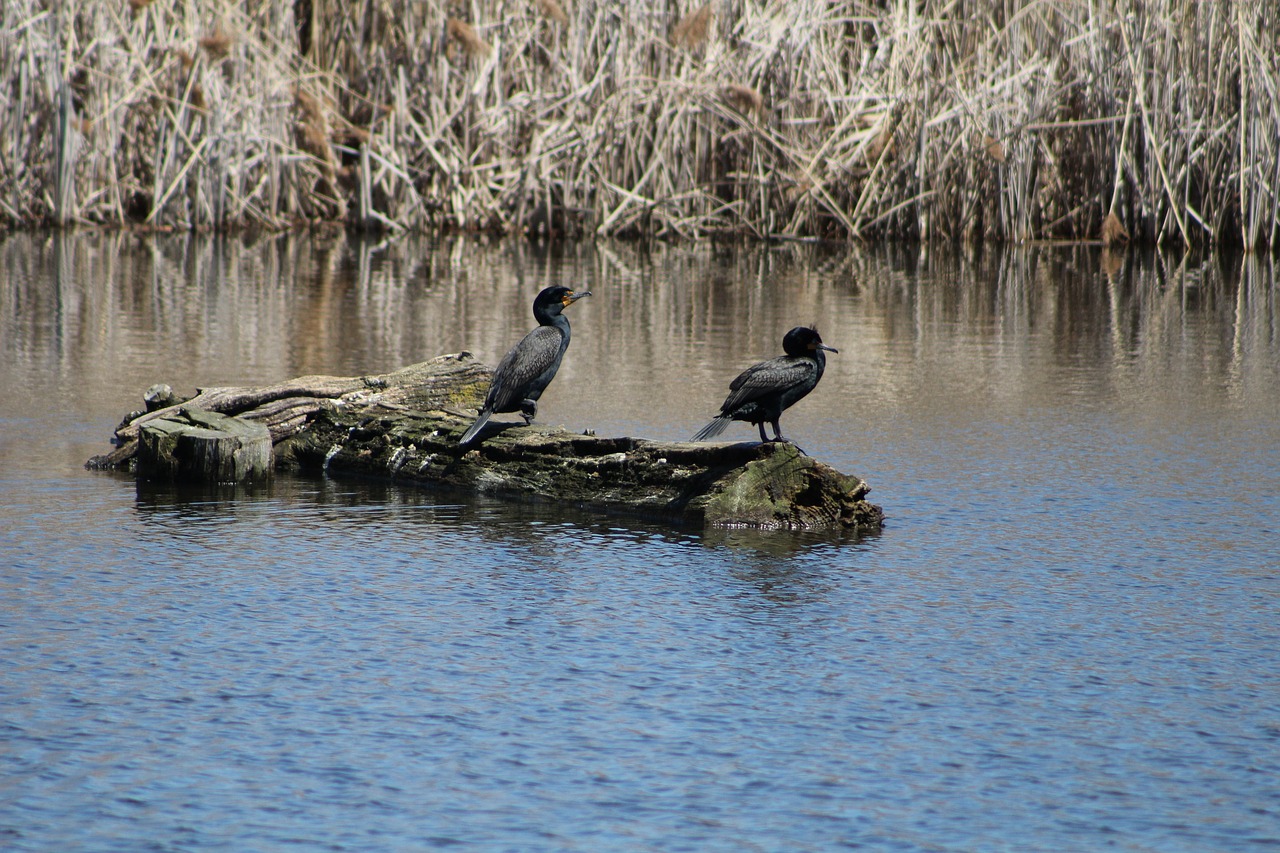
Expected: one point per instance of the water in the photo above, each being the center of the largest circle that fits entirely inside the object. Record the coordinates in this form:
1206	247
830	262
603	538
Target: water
1065	638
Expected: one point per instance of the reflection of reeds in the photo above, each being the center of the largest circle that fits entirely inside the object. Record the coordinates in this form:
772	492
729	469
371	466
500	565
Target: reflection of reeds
944	121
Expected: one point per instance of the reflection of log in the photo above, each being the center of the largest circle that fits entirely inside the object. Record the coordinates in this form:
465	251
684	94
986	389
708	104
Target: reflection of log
405	426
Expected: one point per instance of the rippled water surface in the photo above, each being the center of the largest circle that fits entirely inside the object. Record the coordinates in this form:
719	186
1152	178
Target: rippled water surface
1066	638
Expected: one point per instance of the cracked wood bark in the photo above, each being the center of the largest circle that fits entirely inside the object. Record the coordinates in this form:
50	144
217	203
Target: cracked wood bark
405	426
197	446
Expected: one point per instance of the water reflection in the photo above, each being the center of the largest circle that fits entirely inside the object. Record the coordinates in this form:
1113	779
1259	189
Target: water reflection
1077	451
965	349
517	526
279	304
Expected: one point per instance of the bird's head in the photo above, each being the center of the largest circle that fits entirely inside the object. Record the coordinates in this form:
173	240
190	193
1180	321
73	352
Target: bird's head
553	300
804	340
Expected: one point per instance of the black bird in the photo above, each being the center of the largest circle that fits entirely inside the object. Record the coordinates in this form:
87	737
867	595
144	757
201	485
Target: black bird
526	371
762	391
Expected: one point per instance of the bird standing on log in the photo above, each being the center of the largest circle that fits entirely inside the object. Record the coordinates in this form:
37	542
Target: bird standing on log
764	390
528	368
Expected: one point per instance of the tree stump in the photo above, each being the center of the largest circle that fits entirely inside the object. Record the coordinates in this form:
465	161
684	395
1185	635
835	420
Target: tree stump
192	445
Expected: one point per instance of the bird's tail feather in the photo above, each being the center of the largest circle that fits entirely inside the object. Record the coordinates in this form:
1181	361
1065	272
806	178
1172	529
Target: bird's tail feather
712	429
475	428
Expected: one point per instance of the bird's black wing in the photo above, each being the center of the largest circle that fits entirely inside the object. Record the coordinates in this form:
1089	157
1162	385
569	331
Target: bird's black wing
768	377
521	366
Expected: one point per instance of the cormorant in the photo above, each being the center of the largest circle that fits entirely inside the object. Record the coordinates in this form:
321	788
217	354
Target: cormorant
762	391
526	371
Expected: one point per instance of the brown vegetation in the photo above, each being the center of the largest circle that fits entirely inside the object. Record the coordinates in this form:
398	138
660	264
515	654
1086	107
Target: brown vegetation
693	28
217	44
1113	231
466	35
800	119
553	10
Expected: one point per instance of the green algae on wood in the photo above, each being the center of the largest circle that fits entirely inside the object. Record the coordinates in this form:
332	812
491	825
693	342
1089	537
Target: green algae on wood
784	488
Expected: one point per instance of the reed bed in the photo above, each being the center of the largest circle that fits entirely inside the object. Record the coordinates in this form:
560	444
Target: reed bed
1151	121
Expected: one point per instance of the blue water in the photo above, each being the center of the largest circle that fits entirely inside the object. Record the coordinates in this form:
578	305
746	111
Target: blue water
1066	638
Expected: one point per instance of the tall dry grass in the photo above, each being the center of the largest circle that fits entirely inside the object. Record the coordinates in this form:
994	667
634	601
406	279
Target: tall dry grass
1157	121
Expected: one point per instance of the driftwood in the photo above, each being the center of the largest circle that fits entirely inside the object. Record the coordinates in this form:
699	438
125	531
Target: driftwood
405	426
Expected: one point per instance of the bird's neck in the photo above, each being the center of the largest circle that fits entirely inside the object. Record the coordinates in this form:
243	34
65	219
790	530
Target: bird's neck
560	321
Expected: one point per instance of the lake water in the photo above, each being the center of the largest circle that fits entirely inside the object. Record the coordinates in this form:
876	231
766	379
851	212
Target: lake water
1066	638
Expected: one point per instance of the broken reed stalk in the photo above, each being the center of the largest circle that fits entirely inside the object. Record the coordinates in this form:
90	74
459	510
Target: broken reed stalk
65	146
919	120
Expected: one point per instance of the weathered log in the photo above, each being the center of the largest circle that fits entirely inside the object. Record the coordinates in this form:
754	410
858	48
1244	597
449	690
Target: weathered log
447	380
745	484
444	381
405	426
193	445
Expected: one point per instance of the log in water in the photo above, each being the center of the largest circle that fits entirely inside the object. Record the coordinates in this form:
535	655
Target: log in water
405	426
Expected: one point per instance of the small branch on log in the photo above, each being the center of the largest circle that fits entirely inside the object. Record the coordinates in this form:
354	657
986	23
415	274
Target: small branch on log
405	426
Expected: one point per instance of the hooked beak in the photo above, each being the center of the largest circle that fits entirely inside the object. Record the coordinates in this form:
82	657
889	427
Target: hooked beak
573	296
825	347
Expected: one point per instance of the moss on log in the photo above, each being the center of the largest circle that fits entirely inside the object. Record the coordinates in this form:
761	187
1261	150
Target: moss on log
405	426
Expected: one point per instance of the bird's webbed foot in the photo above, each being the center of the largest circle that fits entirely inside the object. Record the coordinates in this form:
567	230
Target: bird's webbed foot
528	410
782	440
778	436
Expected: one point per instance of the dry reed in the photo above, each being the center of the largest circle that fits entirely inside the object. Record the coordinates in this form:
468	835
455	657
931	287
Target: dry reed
466	35
693	28
553	10
217	44
924	119
745	98
1113	231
